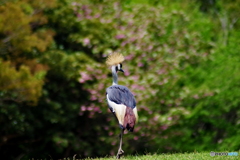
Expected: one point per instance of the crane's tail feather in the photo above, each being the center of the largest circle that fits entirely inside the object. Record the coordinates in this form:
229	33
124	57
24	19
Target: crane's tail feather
129	119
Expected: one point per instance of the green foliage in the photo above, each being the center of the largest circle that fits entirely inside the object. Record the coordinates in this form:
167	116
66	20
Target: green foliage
181	64
19	85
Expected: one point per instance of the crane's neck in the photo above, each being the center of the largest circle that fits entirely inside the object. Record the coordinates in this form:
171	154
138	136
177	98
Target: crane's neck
114	74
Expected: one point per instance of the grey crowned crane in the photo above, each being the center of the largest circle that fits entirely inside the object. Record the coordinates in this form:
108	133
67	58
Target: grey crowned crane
120	100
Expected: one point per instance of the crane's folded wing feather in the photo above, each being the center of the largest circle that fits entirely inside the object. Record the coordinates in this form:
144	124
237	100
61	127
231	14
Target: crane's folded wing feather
121	95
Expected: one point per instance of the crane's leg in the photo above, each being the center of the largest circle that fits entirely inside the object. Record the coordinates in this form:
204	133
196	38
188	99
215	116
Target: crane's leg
120	151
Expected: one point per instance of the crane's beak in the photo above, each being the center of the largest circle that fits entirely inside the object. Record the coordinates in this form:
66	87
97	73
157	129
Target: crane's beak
121	70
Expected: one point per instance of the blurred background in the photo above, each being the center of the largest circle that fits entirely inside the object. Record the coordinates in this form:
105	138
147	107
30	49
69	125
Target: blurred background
182	64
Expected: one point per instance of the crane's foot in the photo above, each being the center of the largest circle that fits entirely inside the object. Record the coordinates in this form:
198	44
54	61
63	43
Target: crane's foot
120	153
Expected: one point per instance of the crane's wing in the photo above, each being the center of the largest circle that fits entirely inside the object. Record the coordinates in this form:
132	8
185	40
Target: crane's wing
121	95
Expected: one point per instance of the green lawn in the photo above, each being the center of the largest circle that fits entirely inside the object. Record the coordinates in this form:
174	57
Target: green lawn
177	156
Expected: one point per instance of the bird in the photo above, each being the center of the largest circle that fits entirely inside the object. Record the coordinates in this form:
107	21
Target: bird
120	100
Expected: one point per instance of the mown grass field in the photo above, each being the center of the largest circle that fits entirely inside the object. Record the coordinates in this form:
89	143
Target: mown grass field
168	156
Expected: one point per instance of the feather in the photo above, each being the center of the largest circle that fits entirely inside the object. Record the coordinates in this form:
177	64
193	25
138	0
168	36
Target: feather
117	109
129	119
121	95
115	59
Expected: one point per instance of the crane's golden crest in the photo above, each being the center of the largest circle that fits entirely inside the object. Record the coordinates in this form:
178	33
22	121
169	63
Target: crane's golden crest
115	59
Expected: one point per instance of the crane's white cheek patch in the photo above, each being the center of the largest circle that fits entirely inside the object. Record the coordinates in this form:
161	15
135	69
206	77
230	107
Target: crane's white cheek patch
119	110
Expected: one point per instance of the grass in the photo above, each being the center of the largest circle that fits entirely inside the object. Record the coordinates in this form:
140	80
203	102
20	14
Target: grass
168	156
173	156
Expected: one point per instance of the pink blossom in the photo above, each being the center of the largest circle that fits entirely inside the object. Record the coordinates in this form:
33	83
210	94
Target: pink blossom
160	83
81	81
74	3
145	108
100	86
84	7
92	91
84	77
132	39
137	128
90	69
153	92
89	108
161	71
126	72
135	138
169	118
104	76
164	127
123	43
122	28
113	143
135	86
129	57
150	59
142	88
195	96
205	95
120	36
100	100
88	17
140	64
135	78
142	134
156	118
86	41
96	109
110	133
109	21
93	98
106	128
97	16
83	108
112	152
150	47
144	55
99	71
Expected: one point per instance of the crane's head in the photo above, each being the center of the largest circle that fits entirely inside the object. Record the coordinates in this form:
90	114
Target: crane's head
119	67
116	60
